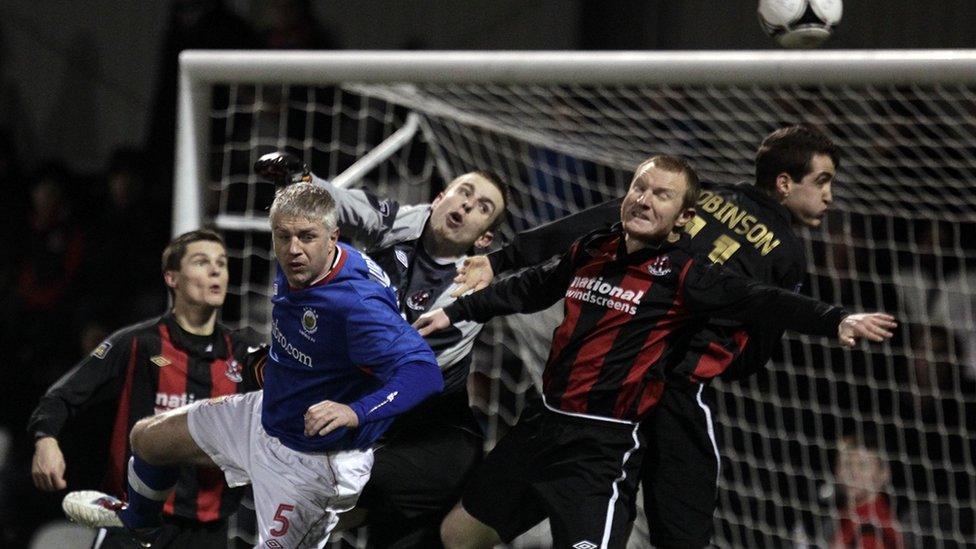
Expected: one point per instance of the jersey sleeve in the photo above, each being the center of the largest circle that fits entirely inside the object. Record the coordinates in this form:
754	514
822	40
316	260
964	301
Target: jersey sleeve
362	216
762	343
95	379
544	242
382	342
710	290
534	289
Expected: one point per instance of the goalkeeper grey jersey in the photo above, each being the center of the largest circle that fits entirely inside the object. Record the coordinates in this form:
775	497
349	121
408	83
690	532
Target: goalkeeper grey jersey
390	234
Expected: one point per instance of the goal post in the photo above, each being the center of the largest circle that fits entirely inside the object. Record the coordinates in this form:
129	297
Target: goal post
566	129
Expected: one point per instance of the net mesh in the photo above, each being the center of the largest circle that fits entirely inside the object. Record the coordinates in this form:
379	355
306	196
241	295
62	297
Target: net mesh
899	238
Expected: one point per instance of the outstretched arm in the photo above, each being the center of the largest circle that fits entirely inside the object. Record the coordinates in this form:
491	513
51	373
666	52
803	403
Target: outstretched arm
532	290
361	215
711	290
541	243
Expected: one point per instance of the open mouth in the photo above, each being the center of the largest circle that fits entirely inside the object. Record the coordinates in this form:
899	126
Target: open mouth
454	220
639	215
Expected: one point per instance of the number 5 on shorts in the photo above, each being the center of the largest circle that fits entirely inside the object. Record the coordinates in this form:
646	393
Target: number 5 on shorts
279	516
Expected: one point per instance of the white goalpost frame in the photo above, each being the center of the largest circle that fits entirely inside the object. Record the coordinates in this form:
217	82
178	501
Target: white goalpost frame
199	70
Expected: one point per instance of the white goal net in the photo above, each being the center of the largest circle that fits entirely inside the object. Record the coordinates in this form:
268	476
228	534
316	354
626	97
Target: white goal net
566	130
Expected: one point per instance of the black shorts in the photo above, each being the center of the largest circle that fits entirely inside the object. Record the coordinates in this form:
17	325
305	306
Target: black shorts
580	473
419	471
680	471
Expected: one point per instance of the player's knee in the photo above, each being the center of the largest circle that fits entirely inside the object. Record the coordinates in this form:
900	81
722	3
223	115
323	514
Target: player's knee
449	535
459	530
141	439
153	439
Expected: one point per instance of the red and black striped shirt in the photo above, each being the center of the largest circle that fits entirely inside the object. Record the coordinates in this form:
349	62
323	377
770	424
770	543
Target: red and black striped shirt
152	367
631	319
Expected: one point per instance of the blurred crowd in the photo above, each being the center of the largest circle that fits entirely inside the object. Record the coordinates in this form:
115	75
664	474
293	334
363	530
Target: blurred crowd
82	251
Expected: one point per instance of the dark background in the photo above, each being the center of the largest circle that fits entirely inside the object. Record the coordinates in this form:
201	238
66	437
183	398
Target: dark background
87	118
79	78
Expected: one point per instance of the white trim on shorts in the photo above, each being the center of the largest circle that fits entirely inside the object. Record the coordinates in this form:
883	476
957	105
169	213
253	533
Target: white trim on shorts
711	432
608	525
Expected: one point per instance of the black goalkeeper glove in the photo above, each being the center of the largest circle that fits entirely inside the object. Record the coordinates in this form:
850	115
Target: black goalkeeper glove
282	169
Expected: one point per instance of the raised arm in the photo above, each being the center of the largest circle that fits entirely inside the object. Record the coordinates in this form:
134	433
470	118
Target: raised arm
362	216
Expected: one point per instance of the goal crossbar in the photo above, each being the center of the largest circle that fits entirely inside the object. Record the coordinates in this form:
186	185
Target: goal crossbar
199	70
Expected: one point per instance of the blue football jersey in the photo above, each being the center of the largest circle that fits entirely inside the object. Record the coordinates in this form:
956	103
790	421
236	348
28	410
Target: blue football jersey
343	340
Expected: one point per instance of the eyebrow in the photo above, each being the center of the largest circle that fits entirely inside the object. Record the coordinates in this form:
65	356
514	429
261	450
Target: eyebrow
205	256
488	201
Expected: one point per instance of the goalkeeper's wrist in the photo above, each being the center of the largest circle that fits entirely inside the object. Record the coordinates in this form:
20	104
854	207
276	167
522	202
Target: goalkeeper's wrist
41	439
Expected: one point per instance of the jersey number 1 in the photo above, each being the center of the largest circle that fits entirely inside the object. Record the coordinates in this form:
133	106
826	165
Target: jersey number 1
722	248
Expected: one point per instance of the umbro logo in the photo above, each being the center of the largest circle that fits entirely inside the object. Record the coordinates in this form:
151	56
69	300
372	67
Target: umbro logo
102	349
160	360
585	544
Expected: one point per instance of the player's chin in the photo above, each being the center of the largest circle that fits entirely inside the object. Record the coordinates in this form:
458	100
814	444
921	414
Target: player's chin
642	229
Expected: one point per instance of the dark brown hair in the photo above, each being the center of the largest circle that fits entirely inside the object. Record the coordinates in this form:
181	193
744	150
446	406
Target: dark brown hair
791	150
176	249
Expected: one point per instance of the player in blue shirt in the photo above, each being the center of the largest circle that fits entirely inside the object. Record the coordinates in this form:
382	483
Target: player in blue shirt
342	365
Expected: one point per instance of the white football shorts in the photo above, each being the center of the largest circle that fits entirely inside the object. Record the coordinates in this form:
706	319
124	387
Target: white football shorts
297	496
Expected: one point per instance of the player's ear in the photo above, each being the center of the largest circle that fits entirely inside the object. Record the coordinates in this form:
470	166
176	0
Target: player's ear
484	240
170	278
437	199
684	217
783	185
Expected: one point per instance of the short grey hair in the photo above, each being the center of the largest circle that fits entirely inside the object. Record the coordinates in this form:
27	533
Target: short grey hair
305	201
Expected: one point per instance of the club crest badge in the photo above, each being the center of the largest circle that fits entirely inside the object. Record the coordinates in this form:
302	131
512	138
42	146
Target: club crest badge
418	301
660	266
233	371
310	321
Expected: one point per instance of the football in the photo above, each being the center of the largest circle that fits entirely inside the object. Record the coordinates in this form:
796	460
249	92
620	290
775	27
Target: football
800	23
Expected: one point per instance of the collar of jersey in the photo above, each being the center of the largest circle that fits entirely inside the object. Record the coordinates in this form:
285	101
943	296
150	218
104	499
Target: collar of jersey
643	254
761	197
194	344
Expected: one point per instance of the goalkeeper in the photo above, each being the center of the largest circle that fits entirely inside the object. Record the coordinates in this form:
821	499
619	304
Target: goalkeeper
748	228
